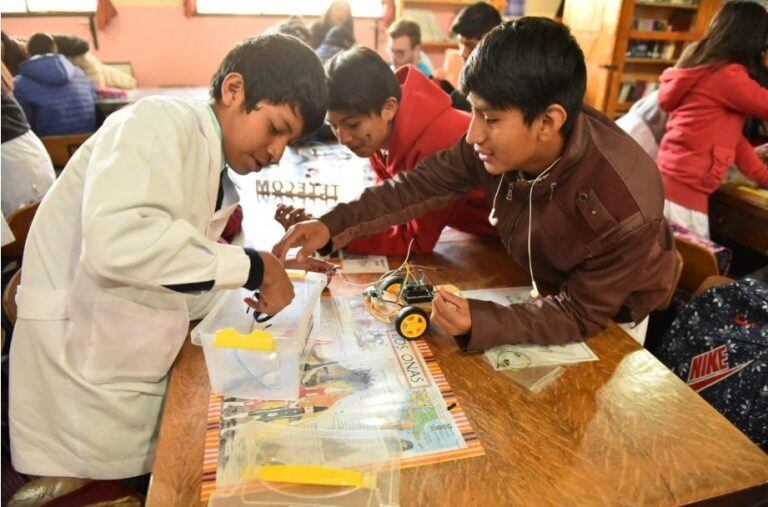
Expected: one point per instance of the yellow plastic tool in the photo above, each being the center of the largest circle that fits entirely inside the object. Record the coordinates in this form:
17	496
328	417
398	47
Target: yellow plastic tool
230	338
296	274
315	475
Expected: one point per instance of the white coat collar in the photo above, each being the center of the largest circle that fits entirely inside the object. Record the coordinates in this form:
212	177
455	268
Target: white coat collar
215	150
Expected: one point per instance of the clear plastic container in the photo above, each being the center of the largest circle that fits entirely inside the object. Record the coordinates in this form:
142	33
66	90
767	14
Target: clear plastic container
256	374
356	468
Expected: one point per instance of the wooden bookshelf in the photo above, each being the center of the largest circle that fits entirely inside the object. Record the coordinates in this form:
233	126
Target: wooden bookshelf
439	44
668	5
615	52
656	61
662	35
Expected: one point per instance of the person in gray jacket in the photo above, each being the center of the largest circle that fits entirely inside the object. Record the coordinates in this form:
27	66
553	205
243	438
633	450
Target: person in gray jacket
575	199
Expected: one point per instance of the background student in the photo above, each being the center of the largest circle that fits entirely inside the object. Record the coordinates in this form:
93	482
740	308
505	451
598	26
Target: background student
57	97
396	119
717	83
338	13
130	229
573	197
404	46
471	25
27	171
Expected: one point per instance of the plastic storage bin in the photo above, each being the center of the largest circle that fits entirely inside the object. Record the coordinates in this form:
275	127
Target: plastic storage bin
256	374
277	465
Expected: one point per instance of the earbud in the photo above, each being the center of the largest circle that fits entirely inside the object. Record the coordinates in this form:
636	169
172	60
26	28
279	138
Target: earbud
492	218
534	291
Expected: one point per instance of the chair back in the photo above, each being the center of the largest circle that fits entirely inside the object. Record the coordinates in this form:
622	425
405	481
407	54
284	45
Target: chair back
9	297
699	263
19	222
679	264
61	148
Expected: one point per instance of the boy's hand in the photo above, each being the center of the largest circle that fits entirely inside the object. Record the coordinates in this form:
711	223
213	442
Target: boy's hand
313	264
286	215
310	236
276	288
451	313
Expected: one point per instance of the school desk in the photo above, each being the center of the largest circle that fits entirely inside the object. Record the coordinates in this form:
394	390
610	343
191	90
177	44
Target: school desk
105	107
740	215
620	431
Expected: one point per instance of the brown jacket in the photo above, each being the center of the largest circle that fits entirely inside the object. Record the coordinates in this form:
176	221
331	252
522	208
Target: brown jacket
598	232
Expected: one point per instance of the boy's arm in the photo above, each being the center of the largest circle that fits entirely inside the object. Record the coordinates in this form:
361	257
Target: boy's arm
591	296
748	162
434	184
133	194
423	231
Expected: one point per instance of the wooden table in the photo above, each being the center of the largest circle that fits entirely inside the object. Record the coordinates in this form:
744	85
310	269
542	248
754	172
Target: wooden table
620	431
740	216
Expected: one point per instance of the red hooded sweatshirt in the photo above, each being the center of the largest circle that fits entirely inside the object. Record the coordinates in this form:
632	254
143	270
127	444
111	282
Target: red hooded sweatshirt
425	124
708	106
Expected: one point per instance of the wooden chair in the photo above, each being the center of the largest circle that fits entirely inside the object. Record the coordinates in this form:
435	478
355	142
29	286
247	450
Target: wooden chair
698	264
9	297
19	222
61	148
679	264
713	281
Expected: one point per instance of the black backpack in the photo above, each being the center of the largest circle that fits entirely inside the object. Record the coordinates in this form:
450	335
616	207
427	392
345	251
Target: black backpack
718	345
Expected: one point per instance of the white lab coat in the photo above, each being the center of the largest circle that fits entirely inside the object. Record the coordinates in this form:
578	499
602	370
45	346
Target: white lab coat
97	333
27	171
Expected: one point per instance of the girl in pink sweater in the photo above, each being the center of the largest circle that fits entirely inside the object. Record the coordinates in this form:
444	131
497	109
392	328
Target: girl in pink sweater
715	86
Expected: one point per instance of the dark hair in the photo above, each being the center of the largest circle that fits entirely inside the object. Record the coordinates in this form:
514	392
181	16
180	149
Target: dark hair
320	28
13	53
476	20
737	34
405	27
293	26
279	69
40	44
71	45
360	81
528	64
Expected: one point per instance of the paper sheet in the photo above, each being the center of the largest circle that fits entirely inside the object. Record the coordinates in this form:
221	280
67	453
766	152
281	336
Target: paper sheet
356	264
519	357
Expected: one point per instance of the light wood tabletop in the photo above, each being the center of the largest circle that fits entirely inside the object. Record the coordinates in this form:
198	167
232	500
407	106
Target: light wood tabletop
623	430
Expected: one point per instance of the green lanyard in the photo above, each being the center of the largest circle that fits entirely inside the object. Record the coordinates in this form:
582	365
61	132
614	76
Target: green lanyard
218	132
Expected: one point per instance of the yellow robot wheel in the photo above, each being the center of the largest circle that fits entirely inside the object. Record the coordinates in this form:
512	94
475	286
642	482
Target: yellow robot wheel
412	322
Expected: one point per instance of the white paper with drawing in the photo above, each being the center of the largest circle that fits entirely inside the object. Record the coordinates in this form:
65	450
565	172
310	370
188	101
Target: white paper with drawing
518	357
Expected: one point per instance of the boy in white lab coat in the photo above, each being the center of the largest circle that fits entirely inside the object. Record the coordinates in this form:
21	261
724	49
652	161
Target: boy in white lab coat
125	234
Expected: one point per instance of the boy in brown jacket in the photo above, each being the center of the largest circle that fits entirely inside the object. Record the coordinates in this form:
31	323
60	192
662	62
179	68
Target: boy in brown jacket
563	182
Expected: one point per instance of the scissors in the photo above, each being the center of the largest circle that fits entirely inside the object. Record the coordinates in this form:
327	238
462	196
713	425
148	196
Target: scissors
257	315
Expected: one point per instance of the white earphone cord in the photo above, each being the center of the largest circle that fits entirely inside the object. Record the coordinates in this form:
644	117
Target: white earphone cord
535	290
492	215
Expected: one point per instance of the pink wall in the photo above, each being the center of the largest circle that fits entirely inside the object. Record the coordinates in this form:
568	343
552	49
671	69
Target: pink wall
165	47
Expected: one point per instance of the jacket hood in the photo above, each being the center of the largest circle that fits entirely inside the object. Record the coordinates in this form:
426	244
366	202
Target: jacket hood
53	70
421	101
676	83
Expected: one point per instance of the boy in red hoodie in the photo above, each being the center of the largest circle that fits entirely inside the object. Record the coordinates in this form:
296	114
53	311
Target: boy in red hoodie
396	120
716	84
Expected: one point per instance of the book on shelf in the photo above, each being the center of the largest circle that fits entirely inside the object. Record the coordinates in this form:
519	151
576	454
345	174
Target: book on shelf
651	49
427	21
650	24
631	91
